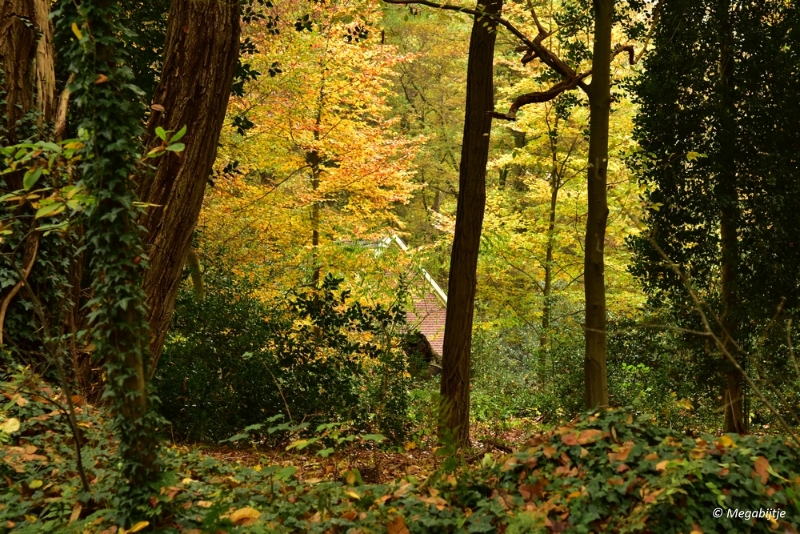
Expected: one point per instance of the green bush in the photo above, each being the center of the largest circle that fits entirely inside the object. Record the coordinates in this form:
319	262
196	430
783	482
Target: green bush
231	360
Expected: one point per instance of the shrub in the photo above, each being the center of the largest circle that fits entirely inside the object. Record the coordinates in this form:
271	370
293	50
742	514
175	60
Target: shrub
232	360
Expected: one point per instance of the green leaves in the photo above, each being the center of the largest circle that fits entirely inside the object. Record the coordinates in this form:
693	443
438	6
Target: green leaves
30	178
169	143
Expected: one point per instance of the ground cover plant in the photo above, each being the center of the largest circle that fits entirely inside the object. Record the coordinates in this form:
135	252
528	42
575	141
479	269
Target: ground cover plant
609	472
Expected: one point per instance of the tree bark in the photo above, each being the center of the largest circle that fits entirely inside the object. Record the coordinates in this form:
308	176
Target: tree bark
202	47
728	195
594	277
469	220
26	57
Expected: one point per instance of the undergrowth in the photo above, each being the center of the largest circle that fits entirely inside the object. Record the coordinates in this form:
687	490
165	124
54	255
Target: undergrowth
608	472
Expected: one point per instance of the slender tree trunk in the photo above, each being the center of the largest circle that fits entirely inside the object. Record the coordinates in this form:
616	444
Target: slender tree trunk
202	46
594	277
469	220
733	392
313	160
547	308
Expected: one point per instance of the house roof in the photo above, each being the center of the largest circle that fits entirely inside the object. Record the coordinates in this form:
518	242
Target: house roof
428	312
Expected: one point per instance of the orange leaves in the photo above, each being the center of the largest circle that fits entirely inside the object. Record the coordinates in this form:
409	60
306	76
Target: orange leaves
397	526
590	436
621	454
16	457
761	469
549	451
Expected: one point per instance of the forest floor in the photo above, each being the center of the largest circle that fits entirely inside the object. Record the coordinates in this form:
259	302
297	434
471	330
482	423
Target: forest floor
608	472
376	466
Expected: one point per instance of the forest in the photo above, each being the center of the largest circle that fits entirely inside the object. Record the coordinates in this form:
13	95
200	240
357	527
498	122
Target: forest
399	266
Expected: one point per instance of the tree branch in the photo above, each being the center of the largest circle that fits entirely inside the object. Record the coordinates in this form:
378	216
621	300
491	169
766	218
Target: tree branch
539	96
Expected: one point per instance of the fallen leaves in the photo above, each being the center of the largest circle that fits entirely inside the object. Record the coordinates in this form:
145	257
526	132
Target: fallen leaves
10	426
397	526
761	469
245	516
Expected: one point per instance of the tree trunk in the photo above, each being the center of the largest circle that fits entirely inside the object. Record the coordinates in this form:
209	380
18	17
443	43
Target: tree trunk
469	220
594	278
547	308
26	58
202	47
28	76
733	391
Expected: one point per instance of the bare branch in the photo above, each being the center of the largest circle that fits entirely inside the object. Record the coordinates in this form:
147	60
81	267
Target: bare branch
539	27
625	48
29	258
539	96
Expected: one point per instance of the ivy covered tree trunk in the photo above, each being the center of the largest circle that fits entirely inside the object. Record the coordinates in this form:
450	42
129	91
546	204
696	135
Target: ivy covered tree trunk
202	47
109	109
594	276
469	220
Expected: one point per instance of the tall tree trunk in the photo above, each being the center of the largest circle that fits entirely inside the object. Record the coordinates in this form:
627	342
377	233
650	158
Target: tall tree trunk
547	308
28	74
202	47
469	220
594	277
27	61
728	196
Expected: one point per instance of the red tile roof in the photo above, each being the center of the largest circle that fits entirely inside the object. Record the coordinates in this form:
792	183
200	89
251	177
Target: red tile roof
428	314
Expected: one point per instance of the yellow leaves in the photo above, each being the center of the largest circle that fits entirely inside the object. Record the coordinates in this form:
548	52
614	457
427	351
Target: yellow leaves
205	504
409	446
10	426
77	31
726	442
353	495
141	525
34	484
245	516
76	513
